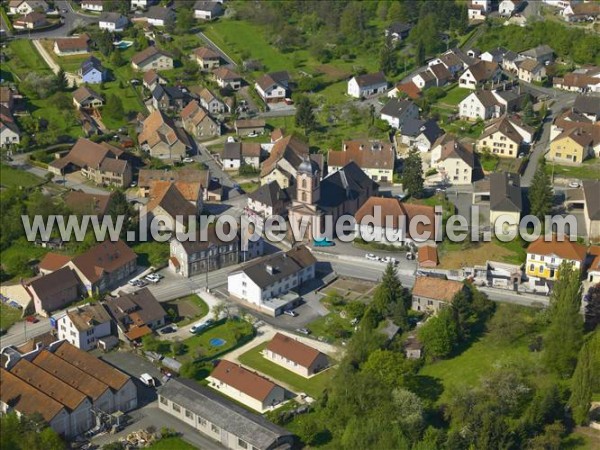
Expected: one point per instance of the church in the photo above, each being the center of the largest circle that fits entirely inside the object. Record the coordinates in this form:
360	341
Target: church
342	192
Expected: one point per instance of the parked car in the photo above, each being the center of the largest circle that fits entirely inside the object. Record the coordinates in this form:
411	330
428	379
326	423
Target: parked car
32	319
188	160
371	257
410	256
133	282
148	380
322	242
201	326
290	312
152	278
167	330
574	184
253	135
230	139
304	331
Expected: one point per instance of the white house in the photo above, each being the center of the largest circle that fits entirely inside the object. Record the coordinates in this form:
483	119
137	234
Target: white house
296	356
245	386
273	87
207	9
92	5
396	112
265	283
478	105
141	4
113	22
453	161
237	154
157	16
420	134
479	73
510	7
83	326
9	131
24	7
367	85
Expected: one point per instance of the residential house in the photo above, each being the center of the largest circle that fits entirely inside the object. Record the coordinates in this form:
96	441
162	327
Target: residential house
479	105
82	203
454	59
398	31
546	254
509	100
478	9
511	7
152	58
430	294
78	45
189	189
367	85
295	355
506	202
410	89
441	74
191	182
227	78
85	97
494	55
501	138
573	145
142	4
84	326
529	70
169	209
198	122
101	163
424	80
207	58
588	106
510	61
204	254
54	291
92	5
396	112
24	7
161	138
10	134
207	9
91	71
237	154
136	314
51	262
168	98
344	192
480	73
245	386
273	87
542	54
453	160
246	127
113	22
30	21
151	79
571	119
427	257
158	16
104	265
210	102
220	419
269	200
591	209
7	98
265	284
388	220
284	160
375	158
578	12
420	134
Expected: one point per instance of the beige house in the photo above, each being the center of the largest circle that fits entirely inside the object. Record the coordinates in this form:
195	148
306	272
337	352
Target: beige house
197	122
282	164
375	158
530	70
478	74
430	294
500	138
246	387
453	161
227	78
84	97
207	58
162	139
78	45
573	145
152	58
295	355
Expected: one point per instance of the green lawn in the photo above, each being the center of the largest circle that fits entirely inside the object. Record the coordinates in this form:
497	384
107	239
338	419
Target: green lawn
233	332
17	258
589	169
464	128
152	253
455	95
332	327
26	59
10	177
8	316
188	308
249	187
171	443
313	386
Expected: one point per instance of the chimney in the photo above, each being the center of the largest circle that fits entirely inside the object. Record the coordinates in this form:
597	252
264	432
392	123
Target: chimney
345	147
362	146
269	268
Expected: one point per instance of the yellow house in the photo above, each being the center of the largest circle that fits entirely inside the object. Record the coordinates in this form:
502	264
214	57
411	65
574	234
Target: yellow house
571	146
545	256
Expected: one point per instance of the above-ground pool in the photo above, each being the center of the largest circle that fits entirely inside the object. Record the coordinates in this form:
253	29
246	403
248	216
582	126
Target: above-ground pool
217	342
123	44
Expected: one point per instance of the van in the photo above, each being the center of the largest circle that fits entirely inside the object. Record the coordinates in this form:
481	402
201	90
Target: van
148	380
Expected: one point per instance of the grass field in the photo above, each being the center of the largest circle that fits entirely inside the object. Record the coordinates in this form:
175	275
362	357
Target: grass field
332	327
154	254
464	128
16	259
454	255
171	443
312	386
26	59
8	316
188	308
589	169
10	177
455	95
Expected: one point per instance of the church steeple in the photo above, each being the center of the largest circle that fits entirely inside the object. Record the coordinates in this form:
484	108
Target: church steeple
307	182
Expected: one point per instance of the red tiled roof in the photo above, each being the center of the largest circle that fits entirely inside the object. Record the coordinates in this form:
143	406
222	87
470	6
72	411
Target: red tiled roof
243	380
293	350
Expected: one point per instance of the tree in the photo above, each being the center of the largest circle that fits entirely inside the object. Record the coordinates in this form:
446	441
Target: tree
387	57
387	367
439	334
185	20
61	80
592	309
550	440
540	191
390	297
585	378
412	174
565	332
396	12
420	54
305	116
114	107
117	58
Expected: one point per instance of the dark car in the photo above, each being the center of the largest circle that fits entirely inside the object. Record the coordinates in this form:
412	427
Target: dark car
166	330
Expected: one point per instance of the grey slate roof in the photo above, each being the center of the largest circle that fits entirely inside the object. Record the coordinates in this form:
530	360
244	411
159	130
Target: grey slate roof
250	427
396	107
587	105
350	182
270	194
399	28
540	50
505	193
414	127
371	79
591	192
141	302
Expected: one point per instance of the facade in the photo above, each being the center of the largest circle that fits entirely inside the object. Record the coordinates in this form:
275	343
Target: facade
530	70
506	201
113	22
246	127
169	209
572	146
9	130
420	134
246	387
478	105
168	98
91	71
214	416
24	7
501	138
453	160
478	74
92	5
237	154
207	58
162	139
54	291
430	294
273	87
210	102
207	9
269	200
84	97
376	159
78	45
295	356
396	112
152	59
198	122
547	253
84	325
264	283
367	85
227	78
510	7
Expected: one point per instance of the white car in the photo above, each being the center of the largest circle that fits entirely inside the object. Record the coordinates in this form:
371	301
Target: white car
290	312
253	135
148	380
153	278
230	139
188	160
371	257
574	184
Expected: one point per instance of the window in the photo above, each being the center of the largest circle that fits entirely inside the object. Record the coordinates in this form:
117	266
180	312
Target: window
242	444
189	414
176	407
214	428
163	400
202	421
532	267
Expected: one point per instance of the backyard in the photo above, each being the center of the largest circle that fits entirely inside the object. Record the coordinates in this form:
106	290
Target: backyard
187	309
10	177
313	386
151	253
455	255
589	169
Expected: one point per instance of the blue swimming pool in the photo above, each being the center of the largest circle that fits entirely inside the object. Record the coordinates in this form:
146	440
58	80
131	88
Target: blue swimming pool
217	342
123	44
